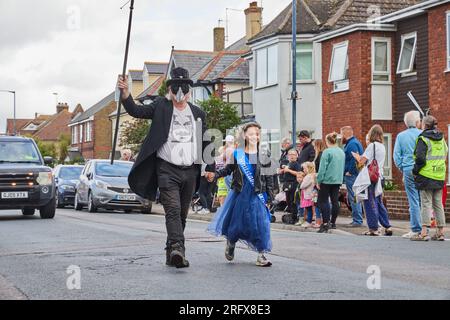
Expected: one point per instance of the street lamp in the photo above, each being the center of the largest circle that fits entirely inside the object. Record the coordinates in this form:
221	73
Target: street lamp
14	121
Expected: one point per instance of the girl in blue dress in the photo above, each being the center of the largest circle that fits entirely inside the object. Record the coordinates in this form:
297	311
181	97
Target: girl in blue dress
244	216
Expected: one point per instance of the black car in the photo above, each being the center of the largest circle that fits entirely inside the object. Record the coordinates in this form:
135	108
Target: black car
105	186
26	182
66	179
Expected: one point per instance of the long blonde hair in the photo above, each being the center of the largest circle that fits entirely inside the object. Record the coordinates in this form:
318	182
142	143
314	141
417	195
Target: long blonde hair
310	167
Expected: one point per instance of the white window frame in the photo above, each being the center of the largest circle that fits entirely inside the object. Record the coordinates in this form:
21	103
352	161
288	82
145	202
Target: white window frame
74	140
389	156
266	82
81	133
448	40
410	70
389	61
313	61
88	137
339	84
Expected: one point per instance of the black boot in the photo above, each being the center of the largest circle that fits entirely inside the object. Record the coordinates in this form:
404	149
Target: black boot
324	228
168	263
177	256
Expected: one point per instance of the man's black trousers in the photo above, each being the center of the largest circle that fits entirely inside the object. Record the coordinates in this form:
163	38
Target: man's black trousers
176	186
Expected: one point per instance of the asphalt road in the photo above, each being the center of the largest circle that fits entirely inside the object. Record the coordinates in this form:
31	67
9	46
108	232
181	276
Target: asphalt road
121	256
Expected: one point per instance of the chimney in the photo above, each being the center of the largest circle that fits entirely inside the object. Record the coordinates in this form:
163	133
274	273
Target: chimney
61	107
253	16
219	39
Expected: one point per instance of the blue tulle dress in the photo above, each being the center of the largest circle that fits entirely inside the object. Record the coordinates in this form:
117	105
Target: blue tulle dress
244	218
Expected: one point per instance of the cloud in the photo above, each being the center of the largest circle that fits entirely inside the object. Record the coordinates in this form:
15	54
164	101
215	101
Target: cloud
76	47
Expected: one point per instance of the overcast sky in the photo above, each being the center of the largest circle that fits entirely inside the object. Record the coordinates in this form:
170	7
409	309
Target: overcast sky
75	47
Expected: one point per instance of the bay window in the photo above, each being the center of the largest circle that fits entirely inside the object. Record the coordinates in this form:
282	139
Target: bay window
267	66
339	67
406	63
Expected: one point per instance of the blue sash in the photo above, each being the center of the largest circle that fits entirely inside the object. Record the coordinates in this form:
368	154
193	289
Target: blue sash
247	169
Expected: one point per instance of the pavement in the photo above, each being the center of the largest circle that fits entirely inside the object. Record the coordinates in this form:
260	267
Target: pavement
111	255
399	227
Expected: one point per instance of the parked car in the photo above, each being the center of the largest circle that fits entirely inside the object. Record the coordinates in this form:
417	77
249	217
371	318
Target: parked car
66	179
26	181
105	186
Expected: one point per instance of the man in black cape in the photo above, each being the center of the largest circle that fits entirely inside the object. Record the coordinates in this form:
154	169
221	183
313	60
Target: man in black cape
171	156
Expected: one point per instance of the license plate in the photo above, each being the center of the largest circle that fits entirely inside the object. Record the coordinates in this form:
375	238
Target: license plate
14	195
126	197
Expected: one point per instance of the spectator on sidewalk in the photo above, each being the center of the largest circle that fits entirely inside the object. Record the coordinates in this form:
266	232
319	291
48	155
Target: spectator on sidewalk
319	147
430	173
329	180
126	155
286	146
307	194
290	185
230	146
352	145
307	154
405	145
374	208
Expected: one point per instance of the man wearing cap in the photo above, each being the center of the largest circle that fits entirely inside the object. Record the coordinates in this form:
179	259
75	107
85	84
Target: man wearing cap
171	156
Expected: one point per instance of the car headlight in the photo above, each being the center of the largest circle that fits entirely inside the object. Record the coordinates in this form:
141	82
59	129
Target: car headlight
102	185
67	188
45	179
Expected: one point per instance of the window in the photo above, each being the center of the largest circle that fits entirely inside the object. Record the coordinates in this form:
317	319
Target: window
81	133
304	61
388	162
339	67
448	40
74	134
381	60
88	137
267	66
407	54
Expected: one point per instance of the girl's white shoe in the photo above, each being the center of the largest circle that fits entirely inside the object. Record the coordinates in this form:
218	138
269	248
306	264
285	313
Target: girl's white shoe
262	261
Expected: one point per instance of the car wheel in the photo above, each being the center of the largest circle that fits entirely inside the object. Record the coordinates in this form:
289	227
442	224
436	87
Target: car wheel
28	212
91	206
78	206
58	204
147	210
48	211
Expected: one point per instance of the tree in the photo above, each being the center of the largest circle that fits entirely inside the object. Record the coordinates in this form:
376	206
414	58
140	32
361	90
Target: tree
47	149
63	147
220	114
134	133
164	89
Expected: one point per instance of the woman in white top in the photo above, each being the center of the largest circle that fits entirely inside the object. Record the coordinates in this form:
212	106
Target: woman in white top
373	206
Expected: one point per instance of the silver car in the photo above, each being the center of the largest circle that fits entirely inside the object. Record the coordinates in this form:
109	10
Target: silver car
105	186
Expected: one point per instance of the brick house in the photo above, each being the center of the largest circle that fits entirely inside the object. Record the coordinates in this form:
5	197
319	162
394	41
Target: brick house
369	69
91	130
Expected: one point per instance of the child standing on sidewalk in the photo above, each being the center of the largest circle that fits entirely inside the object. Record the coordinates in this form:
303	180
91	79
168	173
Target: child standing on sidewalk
307	192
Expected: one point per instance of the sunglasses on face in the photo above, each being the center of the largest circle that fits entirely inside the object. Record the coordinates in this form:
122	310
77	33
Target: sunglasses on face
176	86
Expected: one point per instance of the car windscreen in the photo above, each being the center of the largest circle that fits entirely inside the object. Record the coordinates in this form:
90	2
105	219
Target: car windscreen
70	173
105	169
18	152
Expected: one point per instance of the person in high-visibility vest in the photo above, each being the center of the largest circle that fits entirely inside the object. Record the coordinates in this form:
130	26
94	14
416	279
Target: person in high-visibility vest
430	171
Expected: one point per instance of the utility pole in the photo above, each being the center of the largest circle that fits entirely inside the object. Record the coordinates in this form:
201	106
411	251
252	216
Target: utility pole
294	94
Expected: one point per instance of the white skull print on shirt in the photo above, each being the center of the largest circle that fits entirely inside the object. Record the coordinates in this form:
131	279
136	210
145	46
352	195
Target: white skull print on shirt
180	148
